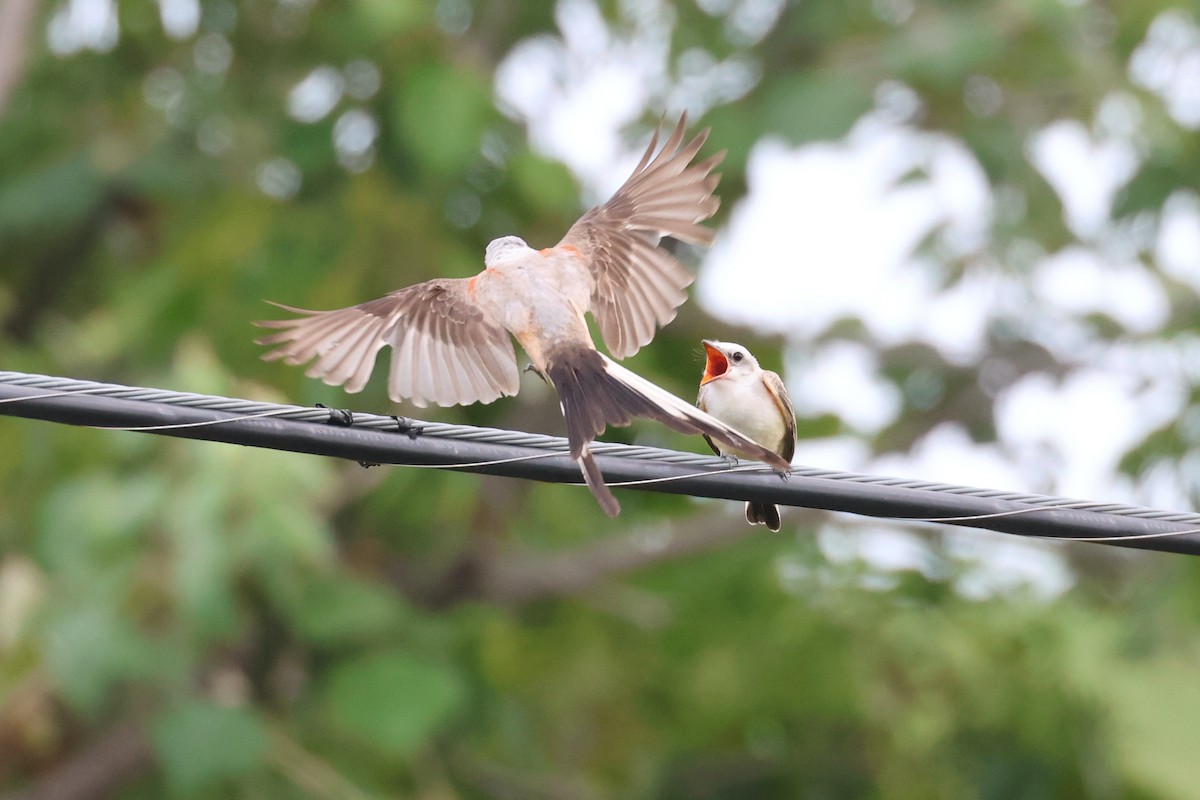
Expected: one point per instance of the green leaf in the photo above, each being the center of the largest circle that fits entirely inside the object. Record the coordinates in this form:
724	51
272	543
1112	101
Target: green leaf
1149	189
384	18
392	699
97	520
50	199
89	650
945	50
441	113
546	185
345	610
808	107
200	744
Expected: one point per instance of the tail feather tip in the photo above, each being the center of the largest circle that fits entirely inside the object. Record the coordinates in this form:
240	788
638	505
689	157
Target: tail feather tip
764	514
595	483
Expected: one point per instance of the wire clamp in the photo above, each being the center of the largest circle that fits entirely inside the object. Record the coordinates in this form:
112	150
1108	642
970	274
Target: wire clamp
340	417
407	427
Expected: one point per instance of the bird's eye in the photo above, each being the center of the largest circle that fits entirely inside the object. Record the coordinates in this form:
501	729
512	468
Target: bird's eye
738	356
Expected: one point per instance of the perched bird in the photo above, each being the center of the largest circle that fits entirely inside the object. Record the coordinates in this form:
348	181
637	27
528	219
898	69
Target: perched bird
736	390
450	336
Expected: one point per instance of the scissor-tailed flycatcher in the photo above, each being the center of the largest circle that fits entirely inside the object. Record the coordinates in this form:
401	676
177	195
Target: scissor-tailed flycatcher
736	390
450	336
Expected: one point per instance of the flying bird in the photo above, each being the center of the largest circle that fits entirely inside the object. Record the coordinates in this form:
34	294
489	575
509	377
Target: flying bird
736	390
450	336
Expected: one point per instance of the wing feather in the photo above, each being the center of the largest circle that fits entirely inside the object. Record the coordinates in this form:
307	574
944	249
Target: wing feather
341	363
638	285
445	350
402	380
779	394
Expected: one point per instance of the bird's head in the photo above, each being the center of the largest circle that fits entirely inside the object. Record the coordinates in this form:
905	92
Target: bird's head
726	359
502	249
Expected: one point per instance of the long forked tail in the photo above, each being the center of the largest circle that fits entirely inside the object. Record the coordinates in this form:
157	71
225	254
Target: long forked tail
596	392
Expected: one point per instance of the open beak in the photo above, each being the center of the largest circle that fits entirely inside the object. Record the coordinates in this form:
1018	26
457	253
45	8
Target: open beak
716	363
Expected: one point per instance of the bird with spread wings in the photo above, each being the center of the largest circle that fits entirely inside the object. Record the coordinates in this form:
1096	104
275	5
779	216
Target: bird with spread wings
450	337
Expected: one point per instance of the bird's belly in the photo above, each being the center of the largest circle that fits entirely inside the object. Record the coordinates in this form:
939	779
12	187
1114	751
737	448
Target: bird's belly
751	413
766	429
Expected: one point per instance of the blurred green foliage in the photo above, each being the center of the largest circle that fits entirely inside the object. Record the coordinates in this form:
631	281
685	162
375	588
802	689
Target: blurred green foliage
259	624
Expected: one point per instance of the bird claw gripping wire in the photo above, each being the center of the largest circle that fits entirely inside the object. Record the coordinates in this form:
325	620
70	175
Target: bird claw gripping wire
784	475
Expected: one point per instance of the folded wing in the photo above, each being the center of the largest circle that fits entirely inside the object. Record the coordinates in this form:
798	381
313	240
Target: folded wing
779	394
444	349
638	285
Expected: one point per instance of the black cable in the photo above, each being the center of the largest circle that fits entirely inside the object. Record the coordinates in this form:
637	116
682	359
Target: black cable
390	440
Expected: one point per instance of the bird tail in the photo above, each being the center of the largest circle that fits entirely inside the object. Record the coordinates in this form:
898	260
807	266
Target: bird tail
595	482
596	392
759	513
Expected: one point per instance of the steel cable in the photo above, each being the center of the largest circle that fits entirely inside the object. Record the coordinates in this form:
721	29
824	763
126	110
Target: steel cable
372	438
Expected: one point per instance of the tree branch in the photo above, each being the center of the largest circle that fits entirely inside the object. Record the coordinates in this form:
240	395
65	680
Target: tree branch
525	577
16	23
118	756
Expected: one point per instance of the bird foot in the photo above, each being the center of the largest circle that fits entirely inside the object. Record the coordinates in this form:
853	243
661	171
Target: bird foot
531	368
784	474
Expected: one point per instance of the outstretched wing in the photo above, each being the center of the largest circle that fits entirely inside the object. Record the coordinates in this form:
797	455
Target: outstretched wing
444	349
638	285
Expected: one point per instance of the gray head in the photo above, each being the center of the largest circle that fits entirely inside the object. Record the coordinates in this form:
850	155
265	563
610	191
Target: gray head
503	249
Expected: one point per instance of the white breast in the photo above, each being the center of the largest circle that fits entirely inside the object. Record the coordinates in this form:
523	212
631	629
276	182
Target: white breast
746	405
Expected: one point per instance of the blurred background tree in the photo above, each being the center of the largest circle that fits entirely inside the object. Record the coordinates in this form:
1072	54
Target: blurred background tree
969	232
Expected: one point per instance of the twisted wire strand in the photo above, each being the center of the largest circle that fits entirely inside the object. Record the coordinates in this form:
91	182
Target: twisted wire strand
553	446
